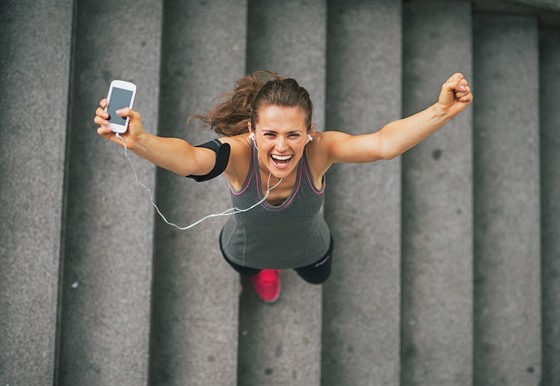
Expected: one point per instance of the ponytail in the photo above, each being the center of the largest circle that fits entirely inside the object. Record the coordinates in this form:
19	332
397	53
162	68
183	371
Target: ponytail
231	115
259	89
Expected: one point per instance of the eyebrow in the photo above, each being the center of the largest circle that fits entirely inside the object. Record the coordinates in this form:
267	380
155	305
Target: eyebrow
289	132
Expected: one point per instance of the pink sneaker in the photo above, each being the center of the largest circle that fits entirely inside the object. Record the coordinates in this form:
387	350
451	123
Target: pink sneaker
267	285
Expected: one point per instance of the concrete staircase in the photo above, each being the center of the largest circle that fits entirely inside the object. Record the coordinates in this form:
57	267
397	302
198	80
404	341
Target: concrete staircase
447	259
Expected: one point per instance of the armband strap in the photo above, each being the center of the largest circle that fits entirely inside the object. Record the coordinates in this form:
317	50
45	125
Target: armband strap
222	151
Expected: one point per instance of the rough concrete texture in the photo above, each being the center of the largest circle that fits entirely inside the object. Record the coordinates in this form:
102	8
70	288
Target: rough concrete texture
34	98
361	300
196	294
79	238
550	202
281	344
289	37
543	4
507	347
109	224
437	255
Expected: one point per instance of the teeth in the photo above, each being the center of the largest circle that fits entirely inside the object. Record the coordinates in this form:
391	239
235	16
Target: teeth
282	157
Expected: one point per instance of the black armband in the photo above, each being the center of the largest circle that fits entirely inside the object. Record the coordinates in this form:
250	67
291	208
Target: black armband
222	151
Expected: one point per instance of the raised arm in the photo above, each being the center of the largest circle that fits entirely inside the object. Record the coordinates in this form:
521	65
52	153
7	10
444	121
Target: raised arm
399	136
173	154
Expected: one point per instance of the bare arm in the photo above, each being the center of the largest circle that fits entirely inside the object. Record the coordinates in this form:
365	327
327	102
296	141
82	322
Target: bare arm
173	154
399	136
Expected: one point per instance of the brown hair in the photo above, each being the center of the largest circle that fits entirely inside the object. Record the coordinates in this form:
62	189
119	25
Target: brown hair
256	90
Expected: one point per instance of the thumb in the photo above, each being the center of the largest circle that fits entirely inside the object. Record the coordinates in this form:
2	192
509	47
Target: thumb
128	112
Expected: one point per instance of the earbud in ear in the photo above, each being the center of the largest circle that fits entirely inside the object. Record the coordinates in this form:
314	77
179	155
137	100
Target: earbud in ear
252	136
309	138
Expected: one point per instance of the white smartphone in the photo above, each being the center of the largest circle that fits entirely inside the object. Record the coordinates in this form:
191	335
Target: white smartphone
121	95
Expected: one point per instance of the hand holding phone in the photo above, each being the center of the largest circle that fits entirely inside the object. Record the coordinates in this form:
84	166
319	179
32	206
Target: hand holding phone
121	95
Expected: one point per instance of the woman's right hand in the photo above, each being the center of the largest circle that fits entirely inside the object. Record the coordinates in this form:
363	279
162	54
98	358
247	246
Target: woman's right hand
134	132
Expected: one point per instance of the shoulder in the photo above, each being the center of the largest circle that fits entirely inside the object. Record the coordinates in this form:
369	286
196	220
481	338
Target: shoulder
337	147
320	151
329	138
239	159
240	144
325	143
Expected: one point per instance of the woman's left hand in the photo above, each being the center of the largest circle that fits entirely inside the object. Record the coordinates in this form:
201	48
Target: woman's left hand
455	95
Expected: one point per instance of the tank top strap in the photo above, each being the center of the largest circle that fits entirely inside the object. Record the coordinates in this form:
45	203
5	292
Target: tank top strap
309	176
251	173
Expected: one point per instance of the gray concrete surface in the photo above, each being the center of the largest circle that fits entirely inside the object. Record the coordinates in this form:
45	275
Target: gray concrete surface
109	221
543	4
281	344
550	202
437	255
196	294
507	347
78	238
361	302
289	37
34	70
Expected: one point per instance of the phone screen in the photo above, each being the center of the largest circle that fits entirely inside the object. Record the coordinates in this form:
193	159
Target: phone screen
119	99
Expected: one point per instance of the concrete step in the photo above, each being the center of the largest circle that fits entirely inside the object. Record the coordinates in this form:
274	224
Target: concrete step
437	255
281	345
105	316
196	294
361	306
34	82
550	201
507	312
446	261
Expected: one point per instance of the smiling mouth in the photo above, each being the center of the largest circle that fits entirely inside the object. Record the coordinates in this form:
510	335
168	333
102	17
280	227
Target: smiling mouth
281	160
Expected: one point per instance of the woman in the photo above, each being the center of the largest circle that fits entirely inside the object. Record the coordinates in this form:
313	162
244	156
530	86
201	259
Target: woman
272	156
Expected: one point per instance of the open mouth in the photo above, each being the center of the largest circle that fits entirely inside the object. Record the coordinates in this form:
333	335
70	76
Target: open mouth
281	161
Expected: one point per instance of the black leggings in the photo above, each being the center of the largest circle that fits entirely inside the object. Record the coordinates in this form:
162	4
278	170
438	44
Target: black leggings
316	273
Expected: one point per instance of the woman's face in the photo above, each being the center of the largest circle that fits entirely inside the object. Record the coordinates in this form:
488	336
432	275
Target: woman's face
281	135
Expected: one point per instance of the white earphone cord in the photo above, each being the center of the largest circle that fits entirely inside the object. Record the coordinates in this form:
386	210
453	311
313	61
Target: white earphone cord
227	212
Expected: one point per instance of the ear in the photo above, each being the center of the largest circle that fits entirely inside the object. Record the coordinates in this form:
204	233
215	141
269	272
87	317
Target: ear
312	129
310	133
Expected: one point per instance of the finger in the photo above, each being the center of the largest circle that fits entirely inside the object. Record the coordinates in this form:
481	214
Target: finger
453	81
455	78
450	87
457	82
466	99
460	86
104	131
103	103
100	112
461	94
100	121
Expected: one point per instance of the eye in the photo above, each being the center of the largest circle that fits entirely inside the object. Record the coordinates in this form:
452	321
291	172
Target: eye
270	135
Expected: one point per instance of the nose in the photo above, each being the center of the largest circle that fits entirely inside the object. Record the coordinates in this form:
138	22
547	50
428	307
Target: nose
281	144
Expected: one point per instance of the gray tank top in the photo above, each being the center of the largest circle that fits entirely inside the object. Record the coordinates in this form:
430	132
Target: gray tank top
291	235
